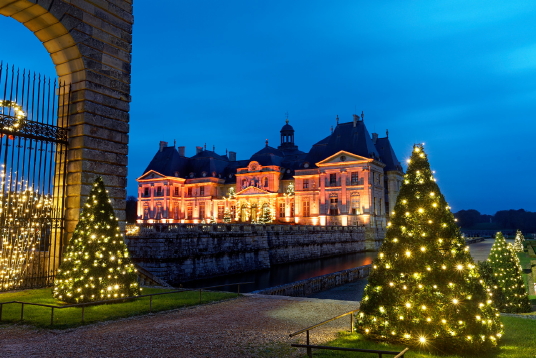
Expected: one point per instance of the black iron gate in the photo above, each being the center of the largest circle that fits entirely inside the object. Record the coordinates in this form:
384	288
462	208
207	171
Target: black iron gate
33	154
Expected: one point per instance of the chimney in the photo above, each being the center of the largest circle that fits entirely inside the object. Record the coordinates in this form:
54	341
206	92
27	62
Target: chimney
232	156
356	118
198	150
374	137
162	145
182	151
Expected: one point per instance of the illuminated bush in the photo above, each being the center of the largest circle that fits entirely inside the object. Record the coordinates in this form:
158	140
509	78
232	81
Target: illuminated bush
507	273
96	264
424	288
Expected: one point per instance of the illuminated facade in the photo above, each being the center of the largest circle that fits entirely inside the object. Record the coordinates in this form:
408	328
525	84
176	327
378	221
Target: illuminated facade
348	178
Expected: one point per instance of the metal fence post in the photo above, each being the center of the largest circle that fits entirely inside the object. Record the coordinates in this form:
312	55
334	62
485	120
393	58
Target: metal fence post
200	294
351	323
52	316
22	311
150	303
1	306
83	311
309	350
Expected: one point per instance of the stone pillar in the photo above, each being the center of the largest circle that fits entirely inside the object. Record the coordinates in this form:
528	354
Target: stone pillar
322	208
90	43
344	207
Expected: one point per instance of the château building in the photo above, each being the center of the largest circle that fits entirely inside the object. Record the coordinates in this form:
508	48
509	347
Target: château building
347	178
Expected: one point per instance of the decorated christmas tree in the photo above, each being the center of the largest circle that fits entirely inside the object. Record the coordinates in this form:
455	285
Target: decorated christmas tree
424	288
492	283
227	216
518	242
96	264
507	271
266	215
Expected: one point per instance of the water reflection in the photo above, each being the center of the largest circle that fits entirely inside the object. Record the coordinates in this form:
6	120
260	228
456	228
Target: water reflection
282	274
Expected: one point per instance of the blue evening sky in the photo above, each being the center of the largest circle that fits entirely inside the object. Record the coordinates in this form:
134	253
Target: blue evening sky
457	75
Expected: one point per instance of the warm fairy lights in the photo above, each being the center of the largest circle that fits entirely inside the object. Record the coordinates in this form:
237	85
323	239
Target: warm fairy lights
96	265
25	219
506	270
518	242
19	115
432	286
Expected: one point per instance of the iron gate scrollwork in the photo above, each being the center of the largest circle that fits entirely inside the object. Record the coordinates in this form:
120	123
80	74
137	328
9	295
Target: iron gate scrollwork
33	155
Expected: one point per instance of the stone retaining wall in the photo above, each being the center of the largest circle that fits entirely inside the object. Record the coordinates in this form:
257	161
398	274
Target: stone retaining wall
312	285
185	252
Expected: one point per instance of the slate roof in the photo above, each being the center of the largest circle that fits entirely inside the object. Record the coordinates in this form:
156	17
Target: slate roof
345	137
387	154
167	162
356	140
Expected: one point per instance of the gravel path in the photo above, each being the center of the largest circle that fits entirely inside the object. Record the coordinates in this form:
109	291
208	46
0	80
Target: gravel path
250	326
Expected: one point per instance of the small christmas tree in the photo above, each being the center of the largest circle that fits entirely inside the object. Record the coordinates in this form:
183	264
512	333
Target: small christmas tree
266	216
492	283
227	216
518	242
424	288
507	271
96	264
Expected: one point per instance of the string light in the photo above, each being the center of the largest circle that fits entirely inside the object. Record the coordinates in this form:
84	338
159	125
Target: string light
25	219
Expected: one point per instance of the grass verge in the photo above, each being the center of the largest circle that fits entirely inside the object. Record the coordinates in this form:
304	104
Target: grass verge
517	342
71	317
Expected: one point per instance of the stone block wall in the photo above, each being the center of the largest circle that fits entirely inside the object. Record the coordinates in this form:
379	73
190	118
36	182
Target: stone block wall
186	252
312	285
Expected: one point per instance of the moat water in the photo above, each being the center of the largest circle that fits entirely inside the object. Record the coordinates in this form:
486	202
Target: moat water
287	273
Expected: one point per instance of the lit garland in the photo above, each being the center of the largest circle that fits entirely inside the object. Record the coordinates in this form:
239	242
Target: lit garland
96	264
20	116
24	220
424	288
507	273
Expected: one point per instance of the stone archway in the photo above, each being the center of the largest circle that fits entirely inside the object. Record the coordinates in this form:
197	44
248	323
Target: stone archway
90	44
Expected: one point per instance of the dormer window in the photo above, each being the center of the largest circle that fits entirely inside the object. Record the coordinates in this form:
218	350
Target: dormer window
191	175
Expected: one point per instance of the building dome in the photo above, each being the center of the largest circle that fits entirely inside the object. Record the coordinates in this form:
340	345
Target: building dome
287	128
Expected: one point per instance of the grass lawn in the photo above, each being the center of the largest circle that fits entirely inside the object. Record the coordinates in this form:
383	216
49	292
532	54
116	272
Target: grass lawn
71	317
517	342
524	259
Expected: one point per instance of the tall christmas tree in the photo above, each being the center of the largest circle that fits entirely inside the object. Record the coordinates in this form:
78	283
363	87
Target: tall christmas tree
96	264
507	271
518	242
424	288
